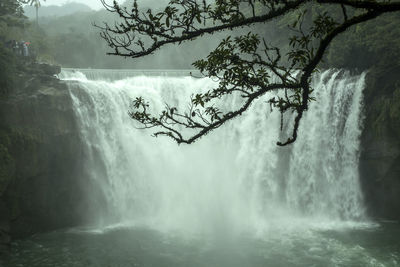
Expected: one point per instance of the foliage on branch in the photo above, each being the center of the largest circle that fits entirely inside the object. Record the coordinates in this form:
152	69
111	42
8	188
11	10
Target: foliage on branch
246	66
11	13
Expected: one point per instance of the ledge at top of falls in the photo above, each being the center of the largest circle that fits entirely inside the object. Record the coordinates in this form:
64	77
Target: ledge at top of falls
118	74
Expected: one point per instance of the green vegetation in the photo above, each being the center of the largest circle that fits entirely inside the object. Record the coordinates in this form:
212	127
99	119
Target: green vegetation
369	44
72	41
12	25
7	73
11	21
36	4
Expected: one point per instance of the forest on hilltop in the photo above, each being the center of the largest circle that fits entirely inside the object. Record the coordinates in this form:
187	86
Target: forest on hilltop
73	41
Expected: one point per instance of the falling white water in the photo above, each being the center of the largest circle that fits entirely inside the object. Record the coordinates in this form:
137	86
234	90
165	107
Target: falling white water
236	178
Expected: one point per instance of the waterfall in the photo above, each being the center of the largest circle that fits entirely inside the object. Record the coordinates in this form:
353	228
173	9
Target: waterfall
234	179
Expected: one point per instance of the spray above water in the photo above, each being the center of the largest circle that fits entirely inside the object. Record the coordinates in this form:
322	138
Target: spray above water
236	179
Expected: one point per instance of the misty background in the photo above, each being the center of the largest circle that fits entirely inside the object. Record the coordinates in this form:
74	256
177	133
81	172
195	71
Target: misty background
66	36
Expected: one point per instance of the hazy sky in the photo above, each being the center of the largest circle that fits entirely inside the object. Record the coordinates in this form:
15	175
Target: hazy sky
95	4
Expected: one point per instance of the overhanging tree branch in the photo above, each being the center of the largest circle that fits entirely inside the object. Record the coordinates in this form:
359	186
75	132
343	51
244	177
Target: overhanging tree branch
244	65
143	25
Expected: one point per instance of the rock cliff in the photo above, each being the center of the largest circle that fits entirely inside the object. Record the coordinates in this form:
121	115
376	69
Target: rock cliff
380	143
40	171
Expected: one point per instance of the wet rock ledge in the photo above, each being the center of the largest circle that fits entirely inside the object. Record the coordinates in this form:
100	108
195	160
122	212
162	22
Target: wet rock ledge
40	173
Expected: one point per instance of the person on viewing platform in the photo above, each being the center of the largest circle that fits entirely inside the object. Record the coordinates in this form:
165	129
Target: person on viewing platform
15	46
25	50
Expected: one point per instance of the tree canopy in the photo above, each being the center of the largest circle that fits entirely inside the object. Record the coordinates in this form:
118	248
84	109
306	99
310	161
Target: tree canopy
11	19
247	66
36	4
11	13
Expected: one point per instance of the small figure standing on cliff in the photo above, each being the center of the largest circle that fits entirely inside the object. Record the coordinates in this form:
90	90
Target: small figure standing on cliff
25	50
15	46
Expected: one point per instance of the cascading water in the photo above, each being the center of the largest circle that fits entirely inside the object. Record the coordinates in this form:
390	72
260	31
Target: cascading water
233	199
236	179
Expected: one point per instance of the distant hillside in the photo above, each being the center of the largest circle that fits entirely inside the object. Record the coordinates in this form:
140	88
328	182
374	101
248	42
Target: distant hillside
56	11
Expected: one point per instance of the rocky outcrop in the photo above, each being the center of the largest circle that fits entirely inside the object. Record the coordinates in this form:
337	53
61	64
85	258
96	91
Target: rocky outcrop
40	172
5	237
380	155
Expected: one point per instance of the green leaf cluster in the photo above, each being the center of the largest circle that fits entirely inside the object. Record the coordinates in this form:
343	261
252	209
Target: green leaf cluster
369	44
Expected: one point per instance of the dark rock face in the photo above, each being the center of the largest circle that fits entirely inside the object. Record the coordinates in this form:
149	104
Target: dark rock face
5	237
47	69
380	155
41	177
